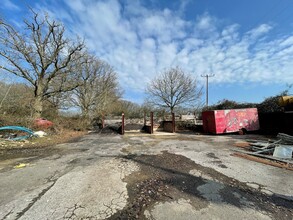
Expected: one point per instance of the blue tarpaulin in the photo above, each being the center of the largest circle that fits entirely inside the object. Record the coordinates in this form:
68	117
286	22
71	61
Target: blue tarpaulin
19	128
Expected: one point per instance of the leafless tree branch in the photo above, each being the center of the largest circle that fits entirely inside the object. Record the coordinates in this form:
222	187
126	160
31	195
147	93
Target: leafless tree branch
173	88
42	55
98	87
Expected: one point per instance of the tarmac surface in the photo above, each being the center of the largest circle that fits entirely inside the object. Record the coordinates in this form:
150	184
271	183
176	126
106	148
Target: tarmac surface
141	176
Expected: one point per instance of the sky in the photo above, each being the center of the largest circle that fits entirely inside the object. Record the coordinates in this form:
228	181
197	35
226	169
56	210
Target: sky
247	45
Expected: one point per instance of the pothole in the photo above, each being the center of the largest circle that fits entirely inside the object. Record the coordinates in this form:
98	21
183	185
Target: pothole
168	178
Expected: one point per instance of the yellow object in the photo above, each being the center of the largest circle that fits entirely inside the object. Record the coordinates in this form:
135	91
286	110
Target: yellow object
21	165
285	100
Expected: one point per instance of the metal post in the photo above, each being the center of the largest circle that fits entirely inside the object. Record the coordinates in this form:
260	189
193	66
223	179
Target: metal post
173	122
152	122
207	87
207	91
122	127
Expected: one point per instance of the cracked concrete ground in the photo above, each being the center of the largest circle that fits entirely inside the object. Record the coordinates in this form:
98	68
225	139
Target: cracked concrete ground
96	177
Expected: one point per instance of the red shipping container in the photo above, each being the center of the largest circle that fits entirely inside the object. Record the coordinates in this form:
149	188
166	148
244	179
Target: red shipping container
230	120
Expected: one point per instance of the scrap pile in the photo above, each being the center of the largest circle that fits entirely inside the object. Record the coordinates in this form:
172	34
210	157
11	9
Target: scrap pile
276	153
12	136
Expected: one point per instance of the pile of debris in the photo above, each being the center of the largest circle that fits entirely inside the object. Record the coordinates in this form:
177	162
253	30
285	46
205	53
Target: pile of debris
276	153
108	129
20	133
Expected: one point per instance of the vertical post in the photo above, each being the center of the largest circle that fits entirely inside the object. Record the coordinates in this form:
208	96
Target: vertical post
207	90
144	118
152	122
173	122
207	87
122	127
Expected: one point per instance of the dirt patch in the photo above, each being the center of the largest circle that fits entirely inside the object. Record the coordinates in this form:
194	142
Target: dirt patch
114	129
37	146
212	155
167	177
132	126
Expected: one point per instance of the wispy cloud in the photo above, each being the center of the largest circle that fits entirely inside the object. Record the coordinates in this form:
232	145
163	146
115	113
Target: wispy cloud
9	5
139	42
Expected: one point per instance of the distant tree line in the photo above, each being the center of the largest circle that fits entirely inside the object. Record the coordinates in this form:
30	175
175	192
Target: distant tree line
270	104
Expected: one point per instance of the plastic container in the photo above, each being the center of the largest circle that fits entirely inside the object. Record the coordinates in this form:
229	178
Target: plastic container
283	151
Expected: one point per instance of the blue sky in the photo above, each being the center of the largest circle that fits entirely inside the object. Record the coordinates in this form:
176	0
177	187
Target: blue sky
248	45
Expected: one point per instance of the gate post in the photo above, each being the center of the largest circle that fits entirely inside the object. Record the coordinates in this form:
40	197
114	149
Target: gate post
173	122
122	127
152	122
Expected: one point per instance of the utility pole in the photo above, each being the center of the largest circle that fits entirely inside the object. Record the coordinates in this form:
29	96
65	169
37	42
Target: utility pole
207	86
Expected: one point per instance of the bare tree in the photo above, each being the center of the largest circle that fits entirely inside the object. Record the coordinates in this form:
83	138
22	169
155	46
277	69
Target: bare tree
98	87
109	91
42	55
130	109
173	88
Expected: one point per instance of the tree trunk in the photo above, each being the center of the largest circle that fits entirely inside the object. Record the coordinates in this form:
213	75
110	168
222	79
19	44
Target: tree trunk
38	107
